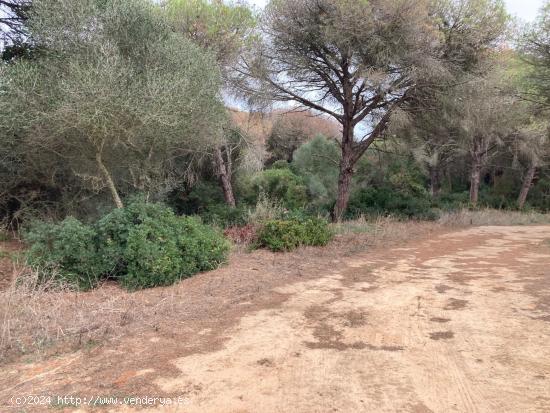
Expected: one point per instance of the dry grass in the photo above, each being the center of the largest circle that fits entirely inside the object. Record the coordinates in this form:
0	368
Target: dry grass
364	233
37	314
382	227
365	225
495	217
266	209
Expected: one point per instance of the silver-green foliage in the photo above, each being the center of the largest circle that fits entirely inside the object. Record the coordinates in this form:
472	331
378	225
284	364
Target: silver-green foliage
115	98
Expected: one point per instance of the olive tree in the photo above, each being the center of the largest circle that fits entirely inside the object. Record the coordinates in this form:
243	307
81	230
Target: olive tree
121	99
354	60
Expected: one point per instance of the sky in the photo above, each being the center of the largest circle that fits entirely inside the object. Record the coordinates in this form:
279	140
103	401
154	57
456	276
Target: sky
524	9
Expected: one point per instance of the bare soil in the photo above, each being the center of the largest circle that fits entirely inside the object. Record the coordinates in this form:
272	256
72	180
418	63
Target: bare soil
446	322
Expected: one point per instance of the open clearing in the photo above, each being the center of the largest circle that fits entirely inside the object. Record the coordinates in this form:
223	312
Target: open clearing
450	322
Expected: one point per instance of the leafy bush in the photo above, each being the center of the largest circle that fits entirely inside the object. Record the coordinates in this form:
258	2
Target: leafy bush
148	245
378	201
142	245
492	199
224	216
286	235
163	250
277	184
68	249
539	196
316	232
396	187
195	200
452	201
280	164
115	228
300	215
281	235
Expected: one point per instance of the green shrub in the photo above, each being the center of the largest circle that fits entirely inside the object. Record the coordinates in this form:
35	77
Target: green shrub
195	200
495	200
114	230
206	200
164	250
539	195
385	200
68	250
452	201
142	245
286	235
148	245
276	184
300	215
317	232
224	216
281	235
280	164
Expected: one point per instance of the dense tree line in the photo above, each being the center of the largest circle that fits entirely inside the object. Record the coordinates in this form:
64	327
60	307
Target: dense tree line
435	104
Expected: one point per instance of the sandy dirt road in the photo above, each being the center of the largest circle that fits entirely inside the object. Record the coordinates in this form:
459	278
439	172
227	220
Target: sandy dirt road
456	323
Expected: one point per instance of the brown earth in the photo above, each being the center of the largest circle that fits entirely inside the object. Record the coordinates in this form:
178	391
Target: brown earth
8	250
450	322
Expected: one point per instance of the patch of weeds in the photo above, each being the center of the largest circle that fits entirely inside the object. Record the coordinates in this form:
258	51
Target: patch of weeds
14	256
90	344
358	226
286	235
17	256
42	343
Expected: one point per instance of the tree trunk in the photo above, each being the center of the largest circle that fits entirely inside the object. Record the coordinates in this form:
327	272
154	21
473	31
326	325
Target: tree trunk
475	179
109	180
527	183
435	185
345	175
224	175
